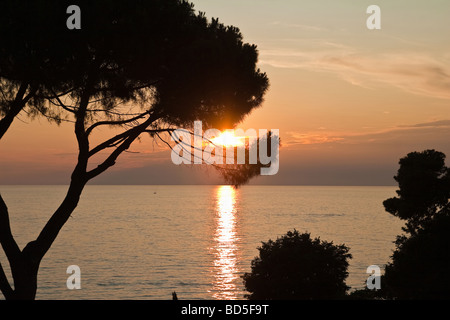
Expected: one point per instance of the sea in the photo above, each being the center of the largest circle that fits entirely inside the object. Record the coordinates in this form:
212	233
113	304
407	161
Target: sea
145	242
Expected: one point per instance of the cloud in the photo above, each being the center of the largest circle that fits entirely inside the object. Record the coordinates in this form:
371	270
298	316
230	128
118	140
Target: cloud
416	73
299	138
409	134
310	54
296	26
435	124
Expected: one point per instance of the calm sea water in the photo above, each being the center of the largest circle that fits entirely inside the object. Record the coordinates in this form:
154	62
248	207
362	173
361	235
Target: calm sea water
143	242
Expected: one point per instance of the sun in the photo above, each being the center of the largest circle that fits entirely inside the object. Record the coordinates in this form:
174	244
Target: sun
228	139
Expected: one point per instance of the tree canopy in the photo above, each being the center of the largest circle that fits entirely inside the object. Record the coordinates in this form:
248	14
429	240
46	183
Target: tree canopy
160	53
424	188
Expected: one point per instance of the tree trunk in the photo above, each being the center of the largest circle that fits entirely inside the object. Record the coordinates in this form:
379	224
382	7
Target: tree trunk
24	272
25	264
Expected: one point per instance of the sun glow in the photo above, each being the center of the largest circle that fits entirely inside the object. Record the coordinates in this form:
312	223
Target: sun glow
228	139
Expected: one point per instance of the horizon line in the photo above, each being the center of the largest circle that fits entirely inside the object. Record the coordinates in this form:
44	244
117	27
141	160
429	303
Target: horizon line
212	184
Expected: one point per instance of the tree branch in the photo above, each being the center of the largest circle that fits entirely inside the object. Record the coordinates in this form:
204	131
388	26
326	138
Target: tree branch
6	238
109	112
55	118
59	217
191	153
61	104
16	106
120	137
118	122
55	95
128	137
80	129
5	287
146	85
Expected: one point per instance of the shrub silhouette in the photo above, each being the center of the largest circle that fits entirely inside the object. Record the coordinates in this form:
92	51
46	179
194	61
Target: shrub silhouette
295	266
420	265
421	260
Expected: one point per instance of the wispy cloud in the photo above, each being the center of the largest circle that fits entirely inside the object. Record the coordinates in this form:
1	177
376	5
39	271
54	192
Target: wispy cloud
417	73
299	138
433	130
434	124
296	26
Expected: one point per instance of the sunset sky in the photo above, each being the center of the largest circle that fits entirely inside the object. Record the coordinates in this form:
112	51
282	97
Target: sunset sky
348	101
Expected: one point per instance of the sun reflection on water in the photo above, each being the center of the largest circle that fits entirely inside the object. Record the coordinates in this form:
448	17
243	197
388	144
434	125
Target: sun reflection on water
225	247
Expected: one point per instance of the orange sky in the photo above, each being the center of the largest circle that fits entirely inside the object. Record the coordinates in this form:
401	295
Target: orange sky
348	101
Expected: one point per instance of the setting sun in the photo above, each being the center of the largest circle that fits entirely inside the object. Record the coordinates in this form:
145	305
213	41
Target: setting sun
228	139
